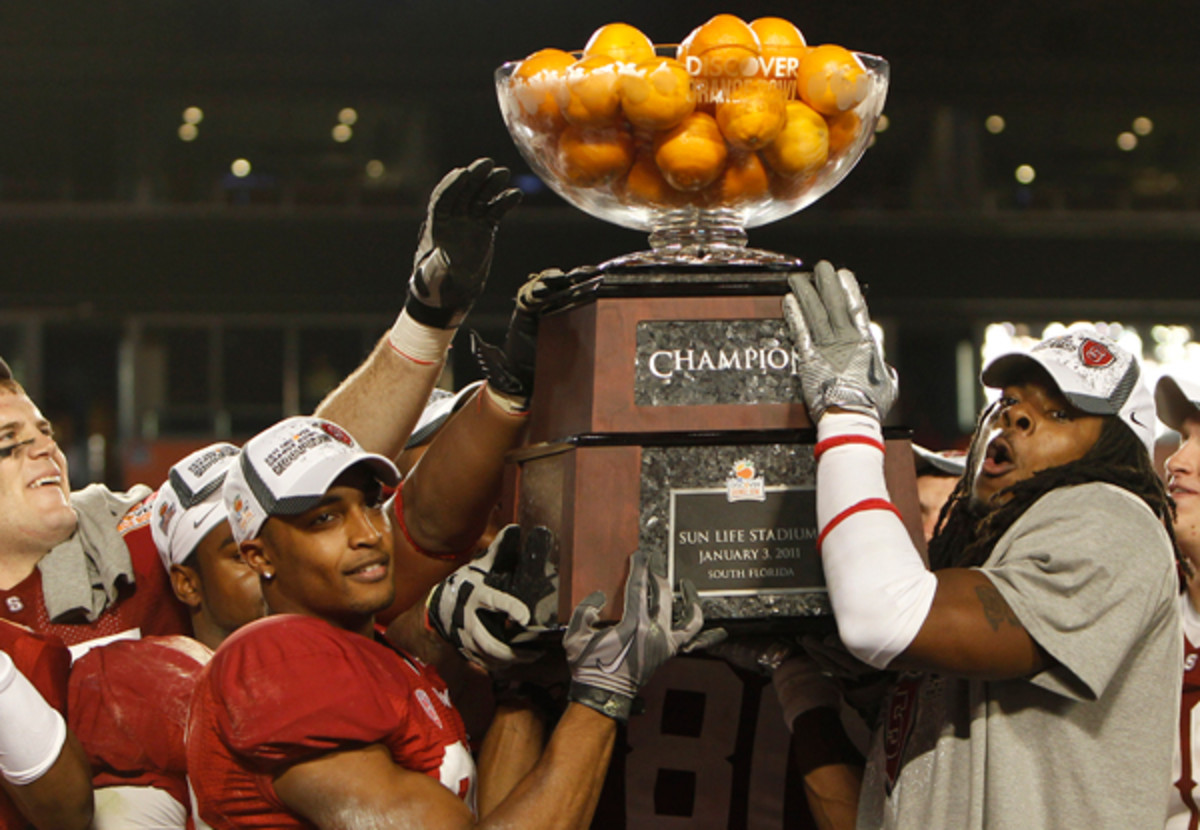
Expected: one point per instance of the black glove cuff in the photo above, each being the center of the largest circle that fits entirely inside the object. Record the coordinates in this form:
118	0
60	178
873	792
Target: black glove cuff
614	705
436	318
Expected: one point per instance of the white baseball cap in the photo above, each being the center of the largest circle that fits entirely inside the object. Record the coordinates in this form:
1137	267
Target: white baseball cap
1177	399
1092	372
286	469
441	406
188	504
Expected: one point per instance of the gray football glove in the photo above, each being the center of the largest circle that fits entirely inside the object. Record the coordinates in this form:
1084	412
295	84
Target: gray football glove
486	609
843	366
510	369
454	252
609	665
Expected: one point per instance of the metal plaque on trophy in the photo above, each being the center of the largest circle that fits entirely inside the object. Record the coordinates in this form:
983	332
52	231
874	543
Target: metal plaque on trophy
668	411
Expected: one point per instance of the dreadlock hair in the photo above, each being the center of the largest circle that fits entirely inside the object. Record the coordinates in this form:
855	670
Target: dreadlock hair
966	531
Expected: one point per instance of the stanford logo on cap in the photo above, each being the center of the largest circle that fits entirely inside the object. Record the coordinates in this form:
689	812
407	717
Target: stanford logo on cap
1095	354
337	433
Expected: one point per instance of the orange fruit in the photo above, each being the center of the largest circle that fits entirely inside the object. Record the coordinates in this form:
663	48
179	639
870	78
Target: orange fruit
753	114
782	47
744	179
588	96
592	157
536	83
691	154
621	42
802	147
831	80
645	184
725	47
843	129
657	94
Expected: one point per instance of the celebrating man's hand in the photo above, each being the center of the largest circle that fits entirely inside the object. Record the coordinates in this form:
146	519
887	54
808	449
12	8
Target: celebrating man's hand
488	608
510	370
610	664
843	366
454	252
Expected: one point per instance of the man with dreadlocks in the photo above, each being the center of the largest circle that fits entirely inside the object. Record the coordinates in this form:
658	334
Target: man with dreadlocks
1039	659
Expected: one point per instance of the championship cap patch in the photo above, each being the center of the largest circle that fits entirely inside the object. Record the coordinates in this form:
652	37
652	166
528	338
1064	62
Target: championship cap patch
1095	354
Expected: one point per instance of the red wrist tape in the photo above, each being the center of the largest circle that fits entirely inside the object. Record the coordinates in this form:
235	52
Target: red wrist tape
842	440
864	505
407	356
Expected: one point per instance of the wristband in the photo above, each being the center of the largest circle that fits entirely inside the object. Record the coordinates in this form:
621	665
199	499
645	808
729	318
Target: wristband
32	732
612	704
418	342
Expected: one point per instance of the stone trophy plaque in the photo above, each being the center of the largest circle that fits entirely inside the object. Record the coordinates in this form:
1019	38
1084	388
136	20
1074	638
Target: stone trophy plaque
667	416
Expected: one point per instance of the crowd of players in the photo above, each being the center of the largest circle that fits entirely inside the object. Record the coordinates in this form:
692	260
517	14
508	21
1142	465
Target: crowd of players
252	644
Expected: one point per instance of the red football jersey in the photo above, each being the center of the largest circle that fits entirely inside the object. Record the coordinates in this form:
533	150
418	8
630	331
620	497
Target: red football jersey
129	706
45	662
288	688
1184	811
146	608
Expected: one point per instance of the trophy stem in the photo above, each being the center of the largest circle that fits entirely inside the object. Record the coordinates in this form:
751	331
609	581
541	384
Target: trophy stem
694	234
694	237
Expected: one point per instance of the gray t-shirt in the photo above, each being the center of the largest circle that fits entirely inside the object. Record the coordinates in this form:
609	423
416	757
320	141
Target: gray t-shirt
1089	572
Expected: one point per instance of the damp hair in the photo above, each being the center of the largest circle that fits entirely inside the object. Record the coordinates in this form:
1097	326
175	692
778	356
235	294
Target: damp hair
7	382
966	532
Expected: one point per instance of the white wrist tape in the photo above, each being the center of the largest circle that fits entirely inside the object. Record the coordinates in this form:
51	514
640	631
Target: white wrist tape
418	342
32	733
801	686
880	589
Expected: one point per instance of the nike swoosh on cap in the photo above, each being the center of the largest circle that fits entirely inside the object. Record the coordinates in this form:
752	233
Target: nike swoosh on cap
196	524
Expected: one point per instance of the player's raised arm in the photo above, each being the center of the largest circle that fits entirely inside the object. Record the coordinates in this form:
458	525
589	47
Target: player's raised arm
448	498
380	402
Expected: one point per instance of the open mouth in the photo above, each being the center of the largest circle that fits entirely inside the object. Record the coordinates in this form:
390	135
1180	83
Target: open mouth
46	481
998	459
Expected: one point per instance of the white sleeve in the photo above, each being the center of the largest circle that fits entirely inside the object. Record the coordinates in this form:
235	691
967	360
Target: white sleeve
879	587
32	732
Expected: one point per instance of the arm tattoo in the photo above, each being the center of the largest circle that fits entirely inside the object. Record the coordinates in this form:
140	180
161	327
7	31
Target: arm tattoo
995	608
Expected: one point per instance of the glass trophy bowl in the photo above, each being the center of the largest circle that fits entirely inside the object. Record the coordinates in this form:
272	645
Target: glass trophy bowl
691	188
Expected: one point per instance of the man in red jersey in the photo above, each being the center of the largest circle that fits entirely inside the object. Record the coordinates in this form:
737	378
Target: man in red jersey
83	565
307	719
129	699
1178	401
45	780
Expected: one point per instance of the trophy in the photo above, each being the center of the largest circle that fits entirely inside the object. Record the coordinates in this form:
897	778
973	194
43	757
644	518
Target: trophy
669	412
